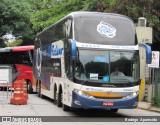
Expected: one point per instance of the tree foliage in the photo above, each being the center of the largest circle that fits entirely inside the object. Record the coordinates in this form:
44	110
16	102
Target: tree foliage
18	16
42	4
17	42
2	44
15	18
150	9
45	17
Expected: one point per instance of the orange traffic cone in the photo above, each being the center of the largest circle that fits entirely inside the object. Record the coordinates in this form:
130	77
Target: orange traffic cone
25	94
18	98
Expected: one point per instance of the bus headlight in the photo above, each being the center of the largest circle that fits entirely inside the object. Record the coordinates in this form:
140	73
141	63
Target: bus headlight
131	95
79	92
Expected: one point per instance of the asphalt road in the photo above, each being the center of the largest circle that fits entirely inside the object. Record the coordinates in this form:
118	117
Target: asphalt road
45	107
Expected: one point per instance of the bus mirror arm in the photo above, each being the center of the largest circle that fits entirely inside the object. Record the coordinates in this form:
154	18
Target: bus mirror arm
73	49
148	52
70	72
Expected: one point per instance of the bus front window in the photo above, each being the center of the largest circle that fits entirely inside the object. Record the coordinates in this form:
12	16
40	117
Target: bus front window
124	66
104	66
92	65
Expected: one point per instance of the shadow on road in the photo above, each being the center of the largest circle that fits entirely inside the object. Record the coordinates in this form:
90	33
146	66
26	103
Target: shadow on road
92	115
90	112
95	113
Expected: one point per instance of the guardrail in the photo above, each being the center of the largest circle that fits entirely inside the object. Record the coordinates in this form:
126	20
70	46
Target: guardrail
5	86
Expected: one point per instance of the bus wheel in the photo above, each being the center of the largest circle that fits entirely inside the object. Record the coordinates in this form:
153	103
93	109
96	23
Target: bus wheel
41	95
39	90
60	98
29	87
55	97
65	107
114	110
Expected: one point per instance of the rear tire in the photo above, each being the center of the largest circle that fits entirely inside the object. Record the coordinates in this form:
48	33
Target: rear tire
41	95
55	97
29	87
39	89
59	99
40	92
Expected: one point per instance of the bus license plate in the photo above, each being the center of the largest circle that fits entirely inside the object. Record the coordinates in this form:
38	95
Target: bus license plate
108	103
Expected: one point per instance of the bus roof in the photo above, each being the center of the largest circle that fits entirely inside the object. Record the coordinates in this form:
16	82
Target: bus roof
96	14
17	48
78	14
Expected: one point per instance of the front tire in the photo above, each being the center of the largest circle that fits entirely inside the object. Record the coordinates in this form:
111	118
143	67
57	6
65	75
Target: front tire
114	110
65	107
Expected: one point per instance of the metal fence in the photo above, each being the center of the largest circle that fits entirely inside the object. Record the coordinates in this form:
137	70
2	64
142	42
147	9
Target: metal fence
5	95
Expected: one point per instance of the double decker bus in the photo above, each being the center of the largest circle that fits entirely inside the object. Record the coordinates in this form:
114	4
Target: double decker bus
20	59
74	61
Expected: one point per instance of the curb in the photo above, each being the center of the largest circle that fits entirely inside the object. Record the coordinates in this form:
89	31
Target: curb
150	109
148	106
155	110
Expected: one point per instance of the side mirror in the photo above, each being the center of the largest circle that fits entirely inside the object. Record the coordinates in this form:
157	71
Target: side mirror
73	49
148	53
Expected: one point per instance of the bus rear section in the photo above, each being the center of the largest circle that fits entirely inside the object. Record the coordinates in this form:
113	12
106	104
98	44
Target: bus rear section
20	59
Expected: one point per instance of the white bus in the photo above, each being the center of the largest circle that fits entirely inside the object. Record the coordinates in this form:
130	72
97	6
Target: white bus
89	60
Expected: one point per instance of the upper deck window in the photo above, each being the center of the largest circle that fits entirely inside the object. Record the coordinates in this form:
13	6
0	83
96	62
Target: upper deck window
105	30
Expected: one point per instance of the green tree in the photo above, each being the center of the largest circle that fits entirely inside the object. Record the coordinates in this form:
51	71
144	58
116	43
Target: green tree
43	4
45	17
18	16
150	9
15	18
2	44
17	42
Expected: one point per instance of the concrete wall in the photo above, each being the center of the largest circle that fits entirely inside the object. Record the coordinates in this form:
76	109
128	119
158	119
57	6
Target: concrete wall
144	35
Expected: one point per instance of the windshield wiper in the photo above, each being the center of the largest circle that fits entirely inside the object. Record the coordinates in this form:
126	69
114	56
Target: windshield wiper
129	81
122	80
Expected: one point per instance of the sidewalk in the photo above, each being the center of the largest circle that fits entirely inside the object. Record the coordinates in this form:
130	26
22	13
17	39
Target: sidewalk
148	106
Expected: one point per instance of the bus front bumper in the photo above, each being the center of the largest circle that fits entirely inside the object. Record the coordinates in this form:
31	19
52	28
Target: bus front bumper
79	101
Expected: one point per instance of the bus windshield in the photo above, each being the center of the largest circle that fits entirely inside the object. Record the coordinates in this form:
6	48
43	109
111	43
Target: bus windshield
23	57
107	66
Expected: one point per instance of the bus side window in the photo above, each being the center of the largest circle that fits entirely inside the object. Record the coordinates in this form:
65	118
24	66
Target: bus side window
67	29
57	67
68	67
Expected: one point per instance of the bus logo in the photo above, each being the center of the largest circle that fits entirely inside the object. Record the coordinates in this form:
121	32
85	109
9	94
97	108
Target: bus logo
56	51
106	29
